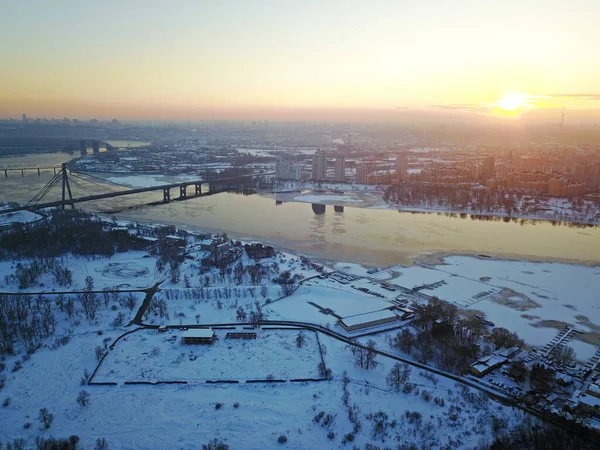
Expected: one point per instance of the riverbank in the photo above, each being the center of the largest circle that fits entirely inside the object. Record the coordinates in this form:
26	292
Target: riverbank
550	209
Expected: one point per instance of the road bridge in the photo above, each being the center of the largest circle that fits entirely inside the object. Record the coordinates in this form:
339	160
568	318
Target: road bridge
211	187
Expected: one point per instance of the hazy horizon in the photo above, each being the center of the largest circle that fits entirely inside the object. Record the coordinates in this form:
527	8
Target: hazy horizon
265	60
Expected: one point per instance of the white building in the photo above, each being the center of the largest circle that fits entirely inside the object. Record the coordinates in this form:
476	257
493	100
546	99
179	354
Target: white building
401	167
319	166
285	169
340	169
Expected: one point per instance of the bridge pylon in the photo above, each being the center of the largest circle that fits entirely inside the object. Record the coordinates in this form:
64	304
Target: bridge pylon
66	186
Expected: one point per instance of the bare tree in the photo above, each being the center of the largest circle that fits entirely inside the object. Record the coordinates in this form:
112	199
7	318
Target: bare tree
99	351
46	418
101	444
399	375
300	339
565	356
83	398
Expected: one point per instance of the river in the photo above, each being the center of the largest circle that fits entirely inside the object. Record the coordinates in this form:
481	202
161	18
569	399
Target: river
367	236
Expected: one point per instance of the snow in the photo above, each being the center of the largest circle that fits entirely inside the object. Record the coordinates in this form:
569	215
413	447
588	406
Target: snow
341	302
369	317
583	350
547	291
149	180
327	198
18	217
199	333
147	355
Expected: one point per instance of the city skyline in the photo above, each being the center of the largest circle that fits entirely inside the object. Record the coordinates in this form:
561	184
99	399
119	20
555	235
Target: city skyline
268	59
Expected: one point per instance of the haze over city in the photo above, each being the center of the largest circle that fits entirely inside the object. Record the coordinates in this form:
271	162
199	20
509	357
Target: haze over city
300	60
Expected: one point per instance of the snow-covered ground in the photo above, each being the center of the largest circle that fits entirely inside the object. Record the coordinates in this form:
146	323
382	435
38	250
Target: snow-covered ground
547	294
531	299
149	180
315	198
187	417
129	270
148	355
16	217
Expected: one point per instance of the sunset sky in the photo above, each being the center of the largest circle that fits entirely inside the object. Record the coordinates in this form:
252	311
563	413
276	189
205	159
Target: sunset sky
179	59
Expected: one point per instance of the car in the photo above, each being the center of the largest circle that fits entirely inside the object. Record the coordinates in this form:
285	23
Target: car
162	328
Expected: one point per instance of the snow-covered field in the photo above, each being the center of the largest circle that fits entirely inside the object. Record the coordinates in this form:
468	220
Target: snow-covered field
341	301
562	293
129	270
316	198
532	299
150	180
18	217
186	417
148	355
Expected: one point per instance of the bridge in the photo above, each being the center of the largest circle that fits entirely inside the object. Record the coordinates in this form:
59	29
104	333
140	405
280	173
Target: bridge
68	177
25	167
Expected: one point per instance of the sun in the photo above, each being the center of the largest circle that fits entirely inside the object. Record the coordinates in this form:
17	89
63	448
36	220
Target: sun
513	102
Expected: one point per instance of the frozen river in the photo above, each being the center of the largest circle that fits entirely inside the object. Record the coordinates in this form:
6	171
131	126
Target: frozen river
368	236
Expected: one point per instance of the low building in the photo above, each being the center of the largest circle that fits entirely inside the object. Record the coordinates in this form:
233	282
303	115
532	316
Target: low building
177	241
259	251
508	352
485	365
368	320
198	336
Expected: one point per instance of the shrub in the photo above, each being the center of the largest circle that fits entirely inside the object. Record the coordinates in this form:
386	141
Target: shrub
215	444
101	444
282	439
83	398
348	438
27	425
425	395
218	405
6	402
46	418
236	405
408	388
18	366
331	435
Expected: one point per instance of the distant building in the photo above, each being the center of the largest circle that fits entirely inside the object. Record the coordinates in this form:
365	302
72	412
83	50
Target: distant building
83	147
487	168
319	166
286	169
24	117
96	146
401	167
344	149
579	172
340	169
592	178
198	336
362	174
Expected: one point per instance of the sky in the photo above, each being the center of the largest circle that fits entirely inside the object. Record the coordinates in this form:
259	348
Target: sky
185	59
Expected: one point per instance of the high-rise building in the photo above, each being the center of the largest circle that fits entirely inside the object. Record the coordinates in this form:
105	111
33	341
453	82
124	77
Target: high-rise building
592	177
24	117
340	169
362	174
579	172
319	165
487	168
285	169
401	167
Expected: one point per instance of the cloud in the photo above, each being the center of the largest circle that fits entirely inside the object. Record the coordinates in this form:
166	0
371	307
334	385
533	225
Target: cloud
473	107
575	96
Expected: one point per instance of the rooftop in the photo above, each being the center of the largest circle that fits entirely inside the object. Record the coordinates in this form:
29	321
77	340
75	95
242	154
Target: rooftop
351	321
199	332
